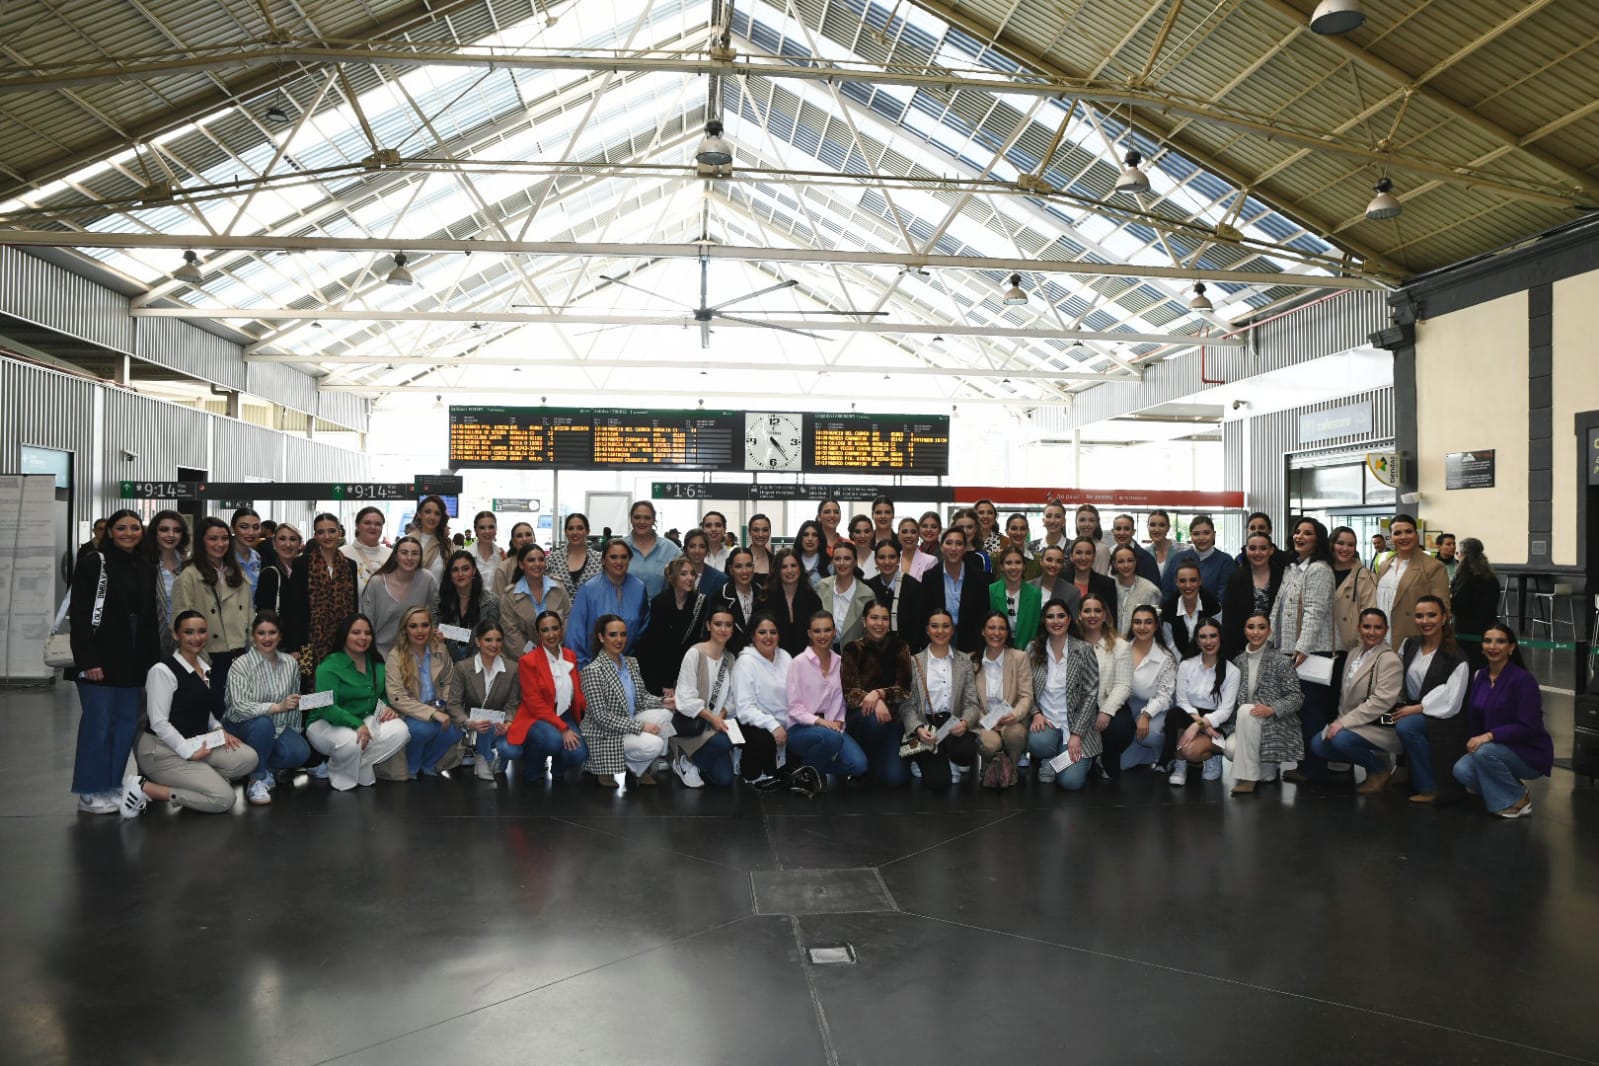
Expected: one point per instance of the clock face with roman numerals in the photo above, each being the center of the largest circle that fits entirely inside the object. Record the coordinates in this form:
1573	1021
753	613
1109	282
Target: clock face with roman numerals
773	441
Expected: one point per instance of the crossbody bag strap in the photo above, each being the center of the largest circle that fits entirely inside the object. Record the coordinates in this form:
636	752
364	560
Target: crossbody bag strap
99	594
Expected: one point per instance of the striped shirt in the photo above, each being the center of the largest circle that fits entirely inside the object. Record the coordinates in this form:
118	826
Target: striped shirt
254	685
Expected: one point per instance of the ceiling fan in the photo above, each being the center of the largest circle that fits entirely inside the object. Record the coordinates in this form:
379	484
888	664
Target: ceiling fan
707	312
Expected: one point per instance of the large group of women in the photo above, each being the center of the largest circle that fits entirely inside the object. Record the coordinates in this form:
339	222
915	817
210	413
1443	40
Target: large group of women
881	650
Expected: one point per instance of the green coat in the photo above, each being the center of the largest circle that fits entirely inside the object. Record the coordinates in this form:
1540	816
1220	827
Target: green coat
1028	611
355	695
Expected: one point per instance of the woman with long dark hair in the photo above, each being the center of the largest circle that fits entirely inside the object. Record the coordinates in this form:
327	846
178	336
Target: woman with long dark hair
812	552
358	730
576	562
790	600
532	594
399	585
1509	743
1206	694
323	591
165	546
1252	587
488	681
1142	738
1302	629
263	700
464	602
215	588
1474	598
112	612
431	528
1427	717
548	721
1065	701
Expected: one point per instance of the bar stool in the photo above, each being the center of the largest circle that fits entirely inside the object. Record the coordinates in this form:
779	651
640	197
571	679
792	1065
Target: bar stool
1547	595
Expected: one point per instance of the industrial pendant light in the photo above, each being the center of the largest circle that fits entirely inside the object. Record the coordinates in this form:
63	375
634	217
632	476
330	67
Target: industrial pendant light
399	275
1132	180
1385	204
1199	301
714	151
189	272
1015	296
1334	17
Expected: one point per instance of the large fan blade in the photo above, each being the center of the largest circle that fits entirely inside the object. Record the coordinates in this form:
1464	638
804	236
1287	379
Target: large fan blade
758	292
640	288
846	314
769	325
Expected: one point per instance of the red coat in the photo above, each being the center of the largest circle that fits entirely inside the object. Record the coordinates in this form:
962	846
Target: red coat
538	694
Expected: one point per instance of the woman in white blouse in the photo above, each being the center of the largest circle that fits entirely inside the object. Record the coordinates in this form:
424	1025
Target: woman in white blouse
705	701
1206	693
760	693
184	756
367	550
1154	688
1005	689
1131	590
1096	624
1428	718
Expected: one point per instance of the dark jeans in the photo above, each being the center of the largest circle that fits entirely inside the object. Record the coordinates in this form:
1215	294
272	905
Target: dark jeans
935	764
221	662
1116	739
826	750
715	760
1319	708
880	741
544	741
759	758
106	731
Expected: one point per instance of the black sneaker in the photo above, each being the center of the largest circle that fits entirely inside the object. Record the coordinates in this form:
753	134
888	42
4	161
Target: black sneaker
807	781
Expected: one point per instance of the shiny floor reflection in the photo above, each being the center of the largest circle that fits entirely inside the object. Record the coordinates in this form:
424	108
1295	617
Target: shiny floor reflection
561	924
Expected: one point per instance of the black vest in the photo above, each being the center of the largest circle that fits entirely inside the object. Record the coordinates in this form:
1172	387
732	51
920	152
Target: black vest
1438	671
191	703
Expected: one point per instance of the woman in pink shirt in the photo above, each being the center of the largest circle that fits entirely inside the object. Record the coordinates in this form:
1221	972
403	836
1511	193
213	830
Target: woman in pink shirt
816	734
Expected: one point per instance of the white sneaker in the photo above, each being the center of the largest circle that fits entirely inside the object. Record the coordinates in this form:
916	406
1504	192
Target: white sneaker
258	794
484	769
133	797
1179	773
100	803
1046	772
1213	768
687	772
319	771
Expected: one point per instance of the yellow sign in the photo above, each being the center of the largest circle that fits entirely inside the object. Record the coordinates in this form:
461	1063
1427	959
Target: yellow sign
1385	467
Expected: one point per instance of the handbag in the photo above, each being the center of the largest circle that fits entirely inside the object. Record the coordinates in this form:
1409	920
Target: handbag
58	645
913	744
693	726
1000	771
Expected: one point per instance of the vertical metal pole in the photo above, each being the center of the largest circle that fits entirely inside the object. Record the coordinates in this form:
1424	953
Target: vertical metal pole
555	503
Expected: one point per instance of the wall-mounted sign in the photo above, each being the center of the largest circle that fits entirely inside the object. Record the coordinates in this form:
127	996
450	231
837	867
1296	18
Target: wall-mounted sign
1349	420
1385	467
788	490
516	505
1593	455
1469	470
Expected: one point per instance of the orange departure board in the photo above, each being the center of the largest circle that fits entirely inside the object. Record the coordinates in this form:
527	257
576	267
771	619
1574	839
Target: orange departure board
886	444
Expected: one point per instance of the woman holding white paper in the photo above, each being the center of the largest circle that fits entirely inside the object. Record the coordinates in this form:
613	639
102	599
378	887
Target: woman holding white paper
463	603
1303	629
942	697
550	713
530	595
357	730
264	707
417	684
1061	738
487	682
1204	686
1005	698
1153	691
760	694
184	756
705	702
1265	730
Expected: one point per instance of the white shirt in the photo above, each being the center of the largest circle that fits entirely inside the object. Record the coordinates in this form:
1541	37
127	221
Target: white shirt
1154	684
561	671
760	688
841	602
160	684
718	559
866	566
367	560
1443	701
940	683
492	671
1388	588
993	680
1194	683
746	601
1052	701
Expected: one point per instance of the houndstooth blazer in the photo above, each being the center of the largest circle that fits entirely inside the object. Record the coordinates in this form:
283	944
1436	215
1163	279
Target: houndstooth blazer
605	719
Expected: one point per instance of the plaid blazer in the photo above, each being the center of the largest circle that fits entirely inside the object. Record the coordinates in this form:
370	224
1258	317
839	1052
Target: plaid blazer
1281	739
1082	692
605	717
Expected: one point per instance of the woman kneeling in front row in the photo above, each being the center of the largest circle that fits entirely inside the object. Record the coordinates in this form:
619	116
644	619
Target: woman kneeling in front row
358	730
1509	743
627	726
487	681
176	762
1265	731
1065	701
943	689
705	700
1374	678
548	720
418	680
264	707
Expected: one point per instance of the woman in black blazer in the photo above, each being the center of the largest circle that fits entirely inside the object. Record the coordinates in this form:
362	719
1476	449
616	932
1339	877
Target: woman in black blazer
789	598
740	595
1250	589
1080	561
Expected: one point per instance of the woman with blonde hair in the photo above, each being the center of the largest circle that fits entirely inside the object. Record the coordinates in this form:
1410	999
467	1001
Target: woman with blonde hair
418	679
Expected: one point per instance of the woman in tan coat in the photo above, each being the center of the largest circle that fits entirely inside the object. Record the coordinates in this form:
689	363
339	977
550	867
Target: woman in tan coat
214	587
529	594
418	679
1406	576
1004	684
1354	589
1373	682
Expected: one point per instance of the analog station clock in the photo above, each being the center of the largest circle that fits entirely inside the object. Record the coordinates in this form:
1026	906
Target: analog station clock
773	441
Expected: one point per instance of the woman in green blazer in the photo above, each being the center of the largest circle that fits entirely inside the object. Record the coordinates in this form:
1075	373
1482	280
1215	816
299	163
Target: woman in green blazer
358	730
1016	598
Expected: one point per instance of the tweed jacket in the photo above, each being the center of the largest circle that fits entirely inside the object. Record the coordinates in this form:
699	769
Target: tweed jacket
963	701
466	689
1277	686
556	568
1082	692
1370	692
1301	617
606	720
1357	592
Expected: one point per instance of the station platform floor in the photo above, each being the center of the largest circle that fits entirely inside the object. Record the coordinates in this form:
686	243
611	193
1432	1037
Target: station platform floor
456	921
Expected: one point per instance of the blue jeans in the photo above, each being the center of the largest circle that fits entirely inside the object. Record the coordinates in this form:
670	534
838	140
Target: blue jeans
430	741
544	741
826	750
106	731
287	751
221	663
880	741
1319	708
1412	730
1350	746
715	760
1050	742
1146	752
1495	773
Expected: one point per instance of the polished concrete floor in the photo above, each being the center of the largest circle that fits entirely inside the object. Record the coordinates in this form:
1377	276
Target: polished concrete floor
454	921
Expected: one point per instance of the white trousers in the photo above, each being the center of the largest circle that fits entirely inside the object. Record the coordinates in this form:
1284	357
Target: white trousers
642	749
348	765
1243	747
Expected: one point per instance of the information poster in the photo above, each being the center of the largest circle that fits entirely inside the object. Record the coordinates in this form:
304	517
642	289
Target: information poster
1469	470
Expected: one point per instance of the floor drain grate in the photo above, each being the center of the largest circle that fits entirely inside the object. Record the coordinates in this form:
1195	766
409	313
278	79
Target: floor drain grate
832	955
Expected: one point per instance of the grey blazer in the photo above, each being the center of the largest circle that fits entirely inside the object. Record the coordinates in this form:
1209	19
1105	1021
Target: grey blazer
913	713
1082	692
466	689
1277	686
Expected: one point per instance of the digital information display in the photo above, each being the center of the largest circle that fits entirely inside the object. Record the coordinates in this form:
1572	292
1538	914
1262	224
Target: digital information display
709	441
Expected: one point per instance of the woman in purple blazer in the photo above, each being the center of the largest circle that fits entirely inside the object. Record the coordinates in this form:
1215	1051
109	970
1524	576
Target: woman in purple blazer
1509	743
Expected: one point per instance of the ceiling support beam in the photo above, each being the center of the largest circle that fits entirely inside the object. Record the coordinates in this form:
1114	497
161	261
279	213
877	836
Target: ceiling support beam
673	319
692	250
765	399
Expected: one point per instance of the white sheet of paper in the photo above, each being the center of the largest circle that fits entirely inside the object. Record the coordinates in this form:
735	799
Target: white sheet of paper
215	740
943	730
312	700
1060	762
1316	668
483	714
991	719
734	734
372	724
460	633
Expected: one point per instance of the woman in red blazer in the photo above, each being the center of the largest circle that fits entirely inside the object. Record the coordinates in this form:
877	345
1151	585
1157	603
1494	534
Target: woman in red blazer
546	723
